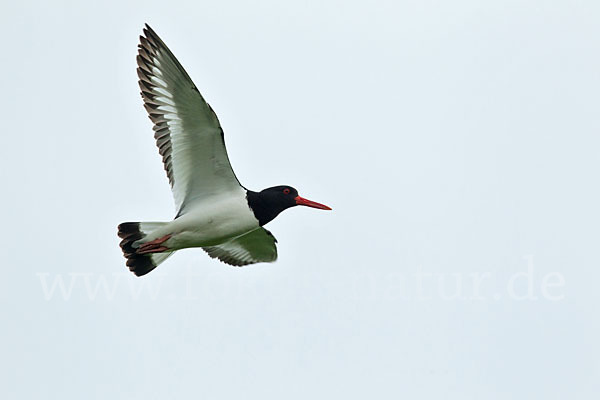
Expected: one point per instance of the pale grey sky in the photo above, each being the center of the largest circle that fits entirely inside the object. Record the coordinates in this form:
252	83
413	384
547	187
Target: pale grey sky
457	143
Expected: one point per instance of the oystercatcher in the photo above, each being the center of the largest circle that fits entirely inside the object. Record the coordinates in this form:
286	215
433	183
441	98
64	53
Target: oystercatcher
214	211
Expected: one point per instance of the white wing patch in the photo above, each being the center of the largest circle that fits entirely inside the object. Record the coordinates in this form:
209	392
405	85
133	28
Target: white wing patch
253	247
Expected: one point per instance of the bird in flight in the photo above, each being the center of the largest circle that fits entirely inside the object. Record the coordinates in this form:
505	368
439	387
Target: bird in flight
214	211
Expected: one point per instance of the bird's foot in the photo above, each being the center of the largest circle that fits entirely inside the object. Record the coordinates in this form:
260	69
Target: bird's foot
153	246
158	249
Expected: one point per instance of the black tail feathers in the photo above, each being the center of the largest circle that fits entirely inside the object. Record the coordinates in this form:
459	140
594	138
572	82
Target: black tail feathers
139	264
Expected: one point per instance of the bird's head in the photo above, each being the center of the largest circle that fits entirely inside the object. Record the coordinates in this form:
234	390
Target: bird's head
268	203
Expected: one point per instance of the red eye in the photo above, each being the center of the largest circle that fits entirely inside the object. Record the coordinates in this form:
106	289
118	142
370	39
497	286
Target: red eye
286	191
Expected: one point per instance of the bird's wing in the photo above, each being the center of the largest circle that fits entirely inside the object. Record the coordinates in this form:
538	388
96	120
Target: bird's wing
253	247
187	131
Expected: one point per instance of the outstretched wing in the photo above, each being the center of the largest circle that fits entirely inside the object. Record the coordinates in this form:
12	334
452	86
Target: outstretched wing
187	131
253	247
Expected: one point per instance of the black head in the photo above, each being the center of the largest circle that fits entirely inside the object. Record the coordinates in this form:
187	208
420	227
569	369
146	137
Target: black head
268	203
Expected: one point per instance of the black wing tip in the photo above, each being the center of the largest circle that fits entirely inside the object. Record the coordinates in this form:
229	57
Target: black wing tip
151	35
147	29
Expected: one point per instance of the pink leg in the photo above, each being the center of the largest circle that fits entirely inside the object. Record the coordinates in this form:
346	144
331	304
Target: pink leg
156	241
153	246
153	250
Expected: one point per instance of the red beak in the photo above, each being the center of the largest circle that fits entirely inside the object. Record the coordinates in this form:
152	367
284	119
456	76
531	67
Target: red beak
301	201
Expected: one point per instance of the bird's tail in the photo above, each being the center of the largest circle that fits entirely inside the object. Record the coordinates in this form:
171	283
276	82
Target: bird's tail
130	232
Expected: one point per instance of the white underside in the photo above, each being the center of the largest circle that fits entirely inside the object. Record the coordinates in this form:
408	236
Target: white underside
208	223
